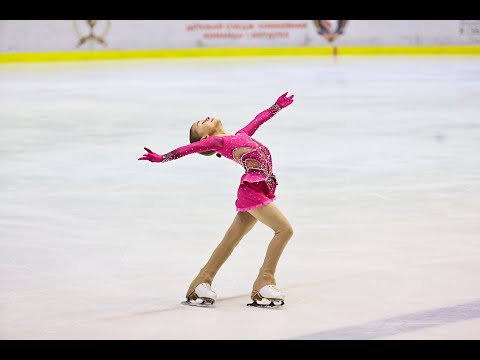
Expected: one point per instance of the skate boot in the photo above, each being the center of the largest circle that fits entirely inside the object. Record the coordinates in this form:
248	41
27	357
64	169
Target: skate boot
271	293
206	296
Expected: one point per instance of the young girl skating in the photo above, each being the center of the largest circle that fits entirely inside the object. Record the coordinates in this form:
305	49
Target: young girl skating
255	197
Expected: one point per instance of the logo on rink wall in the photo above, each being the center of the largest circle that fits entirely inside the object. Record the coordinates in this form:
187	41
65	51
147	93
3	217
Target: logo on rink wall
330	30
470	27
85	31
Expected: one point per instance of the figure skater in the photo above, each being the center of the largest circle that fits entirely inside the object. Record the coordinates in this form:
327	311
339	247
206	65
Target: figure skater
255	196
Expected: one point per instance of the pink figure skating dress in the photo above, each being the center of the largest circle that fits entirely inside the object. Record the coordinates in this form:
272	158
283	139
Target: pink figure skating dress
258	183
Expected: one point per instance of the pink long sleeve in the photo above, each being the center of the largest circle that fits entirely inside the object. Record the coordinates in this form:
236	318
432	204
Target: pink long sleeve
210	143
260	119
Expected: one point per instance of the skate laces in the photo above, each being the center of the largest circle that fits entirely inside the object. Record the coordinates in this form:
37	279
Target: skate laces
273	287
207	286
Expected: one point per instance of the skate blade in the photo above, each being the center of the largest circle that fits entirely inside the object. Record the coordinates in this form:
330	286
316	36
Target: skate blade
204	303
274	304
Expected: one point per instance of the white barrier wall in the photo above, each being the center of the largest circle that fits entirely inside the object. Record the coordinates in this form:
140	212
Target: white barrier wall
62	35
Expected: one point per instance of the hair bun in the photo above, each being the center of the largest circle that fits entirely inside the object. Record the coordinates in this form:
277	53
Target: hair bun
219	155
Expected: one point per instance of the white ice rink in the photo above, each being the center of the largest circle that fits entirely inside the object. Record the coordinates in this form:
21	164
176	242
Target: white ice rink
384	198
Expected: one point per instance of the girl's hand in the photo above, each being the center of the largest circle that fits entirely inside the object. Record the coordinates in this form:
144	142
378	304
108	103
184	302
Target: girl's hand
283	101
151	156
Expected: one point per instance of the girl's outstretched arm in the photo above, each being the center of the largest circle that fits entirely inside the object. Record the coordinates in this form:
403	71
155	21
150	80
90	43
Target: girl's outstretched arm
210	143
282	102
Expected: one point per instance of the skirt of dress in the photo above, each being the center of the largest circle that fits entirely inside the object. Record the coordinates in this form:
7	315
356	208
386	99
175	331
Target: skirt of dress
252	195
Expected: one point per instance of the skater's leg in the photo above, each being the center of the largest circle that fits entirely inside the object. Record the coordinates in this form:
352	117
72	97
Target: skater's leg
241	225
271	216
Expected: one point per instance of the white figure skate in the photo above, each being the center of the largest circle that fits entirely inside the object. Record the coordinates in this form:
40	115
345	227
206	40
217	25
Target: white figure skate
271	293
206	296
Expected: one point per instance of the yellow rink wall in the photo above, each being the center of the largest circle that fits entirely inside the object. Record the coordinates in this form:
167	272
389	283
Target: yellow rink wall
218	52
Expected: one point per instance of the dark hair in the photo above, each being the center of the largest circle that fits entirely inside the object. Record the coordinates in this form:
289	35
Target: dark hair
194	137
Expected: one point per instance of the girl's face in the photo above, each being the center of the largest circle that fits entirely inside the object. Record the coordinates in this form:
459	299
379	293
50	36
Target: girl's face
207	126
